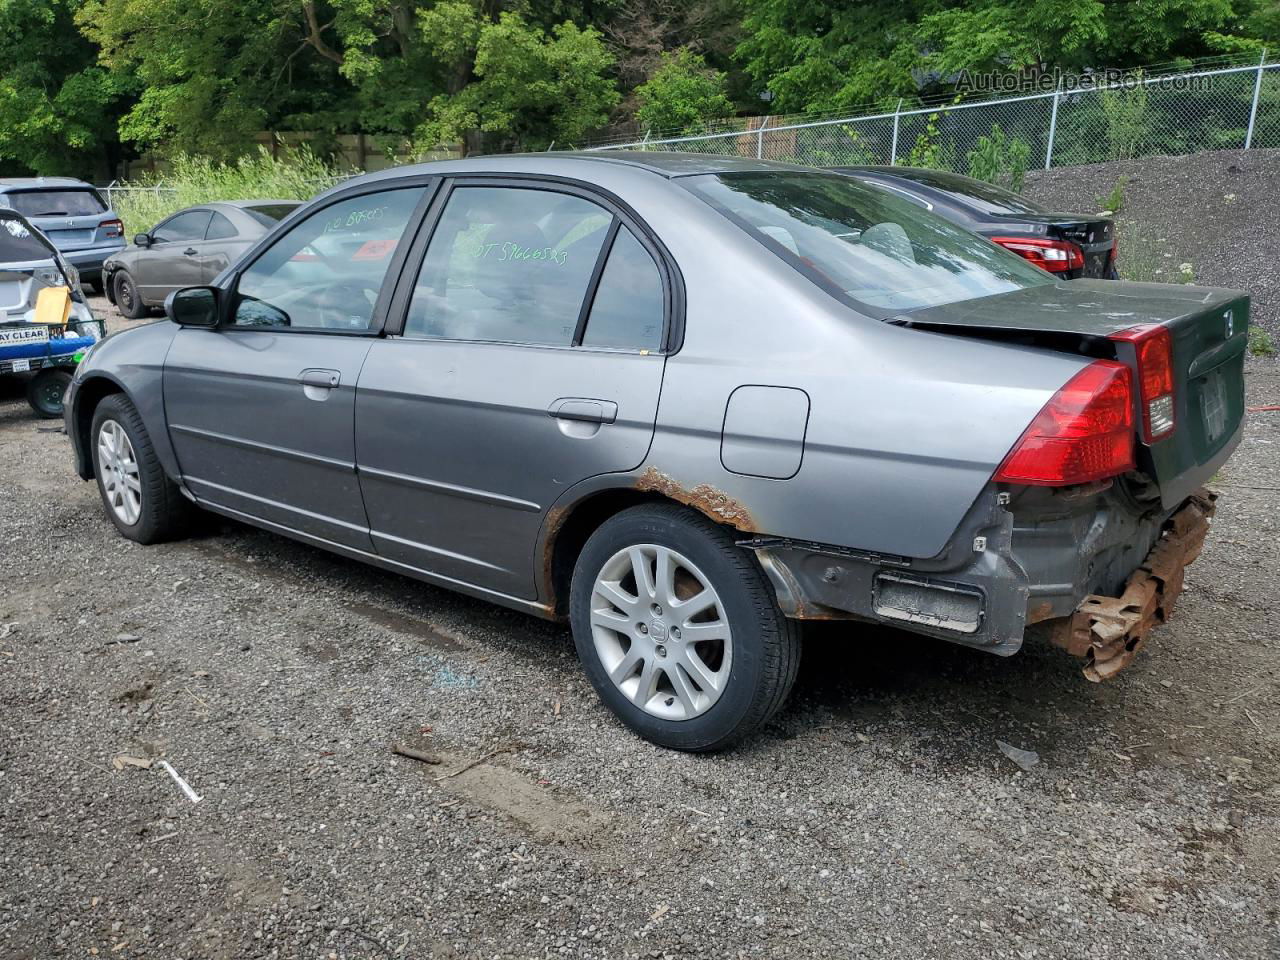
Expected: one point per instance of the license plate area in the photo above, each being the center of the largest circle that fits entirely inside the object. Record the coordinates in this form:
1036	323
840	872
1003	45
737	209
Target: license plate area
1213	405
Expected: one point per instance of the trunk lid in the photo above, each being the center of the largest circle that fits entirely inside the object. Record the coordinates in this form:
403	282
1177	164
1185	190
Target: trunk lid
1209	331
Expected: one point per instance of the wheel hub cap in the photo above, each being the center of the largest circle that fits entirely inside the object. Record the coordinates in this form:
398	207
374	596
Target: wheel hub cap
118	468
661	632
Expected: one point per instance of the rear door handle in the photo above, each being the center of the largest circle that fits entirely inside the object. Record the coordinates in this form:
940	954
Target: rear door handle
190	251
584	409
327	379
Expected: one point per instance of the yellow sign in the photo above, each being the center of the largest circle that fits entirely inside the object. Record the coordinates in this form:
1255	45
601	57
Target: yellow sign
53	305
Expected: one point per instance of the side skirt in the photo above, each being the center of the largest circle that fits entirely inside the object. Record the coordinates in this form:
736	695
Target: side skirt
458	586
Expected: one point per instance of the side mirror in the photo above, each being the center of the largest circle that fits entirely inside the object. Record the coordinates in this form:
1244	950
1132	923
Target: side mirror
142	240
193	307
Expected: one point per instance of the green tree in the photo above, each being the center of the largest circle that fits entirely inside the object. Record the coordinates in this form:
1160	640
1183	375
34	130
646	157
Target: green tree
817	56
58	108
211	72
528	88
683	93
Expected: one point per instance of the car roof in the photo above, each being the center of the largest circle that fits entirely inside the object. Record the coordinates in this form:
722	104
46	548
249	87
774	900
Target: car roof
578	164
242	204
27	183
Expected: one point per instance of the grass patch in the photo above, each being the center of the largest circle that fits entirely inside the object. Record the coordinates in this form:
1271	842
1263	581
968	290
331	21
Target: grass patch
293	175
1113	202
1260	342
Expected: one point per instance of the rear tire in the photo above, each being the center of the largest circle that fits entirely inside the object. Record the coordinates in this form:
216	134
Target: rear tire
45	391
128	300
698	655
140	499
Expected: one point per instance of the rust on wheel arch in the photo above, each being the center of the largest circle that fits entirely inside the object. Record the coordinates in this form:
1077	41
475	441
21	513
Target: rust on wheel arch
704	498
1108	632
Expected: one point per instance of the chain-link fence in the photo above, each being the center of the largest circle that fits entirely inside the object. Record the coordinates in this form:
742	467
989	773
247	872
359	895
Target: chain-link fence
1083	120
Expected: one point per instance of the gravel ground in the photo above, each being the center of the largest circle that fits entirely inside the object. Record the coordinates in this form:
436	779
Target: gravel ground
1217	211
875	817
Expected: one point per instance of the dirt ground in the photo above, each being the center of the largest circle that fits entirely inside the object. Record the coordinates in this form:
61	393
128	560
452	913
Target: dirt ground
875	817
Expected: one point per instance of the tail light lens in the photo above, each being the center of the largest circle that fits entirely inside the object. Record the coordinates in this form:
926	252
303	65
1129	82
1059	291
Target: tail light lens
112	229
1153	350
1056	256
1084	433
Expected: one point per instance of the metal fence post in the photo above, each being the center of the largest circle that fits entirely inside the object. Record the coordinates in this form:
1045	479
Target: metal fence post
760	138
1053	125
1253	110
893	147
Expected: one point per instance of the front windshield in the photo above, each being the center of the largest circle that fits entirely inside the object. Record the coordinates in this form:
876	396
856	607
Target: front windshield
884	254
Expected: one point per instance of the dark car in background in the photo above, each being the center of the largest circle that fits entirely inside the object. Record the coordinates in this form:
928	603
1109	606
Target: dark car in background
1068	245
72	214
188	248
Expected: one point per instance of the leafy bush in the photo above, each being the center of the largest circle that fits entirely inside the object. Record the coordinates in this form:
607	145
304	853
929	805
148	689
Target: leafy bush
1260	342
999	159
295	175
1128	123
1114	201
930	151
683	94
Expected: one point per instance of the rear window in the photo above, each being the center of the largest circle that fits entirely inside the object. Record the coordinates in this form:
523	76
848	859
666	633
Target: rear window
879	252
56	203
986	197
20	245
270	214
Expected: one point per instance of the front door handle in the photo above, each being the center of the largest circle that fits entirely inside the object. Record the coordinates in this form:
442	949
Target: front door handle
190	251
584	410
318	384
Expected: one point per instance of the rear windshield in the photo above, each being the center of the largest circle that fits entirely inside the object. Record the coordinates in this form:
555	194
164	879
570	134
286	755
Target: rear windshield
987	197
270	214
56	203
18	244
882	253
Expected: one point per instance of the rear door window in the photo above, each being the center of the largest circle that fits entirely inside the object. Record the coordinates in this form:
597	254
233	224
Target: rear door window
220	228
628	307
326	271
56	203
189	226
508	264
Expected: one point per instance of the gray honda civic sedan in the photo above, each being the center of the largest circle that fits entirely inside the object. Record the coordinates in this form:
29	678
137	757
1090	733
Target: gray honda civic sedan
685	403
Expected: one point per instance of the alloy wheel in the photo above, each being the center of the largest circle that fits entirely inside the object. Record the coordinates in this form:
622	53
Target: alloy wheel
118	468
661	632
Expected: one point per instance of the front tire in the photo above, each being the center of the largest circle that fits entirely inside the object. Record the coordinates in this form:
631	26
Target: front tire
128	300
144	504
45	391
678	629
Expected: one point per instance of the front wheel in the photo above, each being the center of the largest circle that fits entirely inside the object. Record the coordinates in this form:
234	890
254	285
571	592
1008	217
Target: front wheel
45	391
141	500
128	300
678	629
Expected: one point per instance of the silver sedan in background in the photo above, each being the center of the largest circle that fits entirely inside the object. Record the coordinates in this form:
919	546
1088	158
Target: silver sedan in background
190	247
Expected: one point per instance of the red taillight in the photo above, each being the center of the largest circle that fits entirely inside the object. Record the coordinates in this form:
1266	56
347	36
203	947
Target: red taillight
1153	349
1115	250
113	228
1056	256
1084	433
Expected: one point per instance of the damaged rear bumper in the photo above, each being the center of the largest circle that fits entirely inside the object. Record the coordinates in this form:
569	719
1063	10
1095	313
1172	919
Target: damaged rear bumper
1092	569
1107	631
